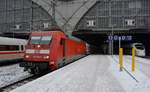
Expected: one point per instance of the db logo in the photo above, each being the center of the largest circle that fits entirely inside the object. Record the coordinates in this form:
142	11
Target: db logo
37	51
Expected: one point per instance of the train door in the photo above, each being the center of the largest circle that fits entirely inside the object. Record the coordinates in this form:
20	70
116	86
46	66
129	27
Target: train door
63	52
64	47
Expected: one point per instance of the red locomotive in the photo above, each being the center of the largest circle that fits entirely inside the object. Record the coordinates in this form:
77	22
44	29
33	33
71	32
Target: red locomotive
50	50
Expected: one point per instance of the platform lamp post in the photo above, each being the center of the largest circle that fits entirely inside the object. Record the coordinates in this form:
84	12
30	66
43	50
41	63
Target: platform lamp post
53	12
112	40
31	21
111	26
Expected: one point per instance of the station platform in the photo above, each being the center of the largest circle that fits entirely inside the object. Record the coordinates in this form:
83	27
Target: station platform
94	73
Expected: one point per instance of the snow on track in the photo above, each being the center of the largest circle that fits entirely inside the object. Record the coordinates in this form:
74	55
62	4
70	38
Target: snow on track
90	74
10	74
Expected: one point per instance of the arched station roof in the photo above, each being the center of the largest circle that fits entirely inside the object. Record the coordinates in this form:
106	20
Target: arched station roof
68	13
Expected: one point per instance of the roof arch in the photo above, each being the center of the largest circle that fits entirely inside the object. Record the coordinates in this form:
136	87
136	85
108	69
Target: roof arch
67	13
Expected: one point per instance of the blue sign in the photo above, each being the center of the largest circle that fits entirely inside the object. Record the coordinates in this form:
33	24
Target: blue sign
122	38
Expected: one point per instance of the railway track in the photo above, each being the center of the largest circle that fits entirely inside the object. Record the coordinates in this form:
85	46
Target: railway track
18	83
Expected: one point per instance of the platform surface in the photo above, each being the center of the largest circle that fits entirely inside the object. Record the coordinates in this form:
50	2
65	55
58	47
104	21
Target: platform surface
94	73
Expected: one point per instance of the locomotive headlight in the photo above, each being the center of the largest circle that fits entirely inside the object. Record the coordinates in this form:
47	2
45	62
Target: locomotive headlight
27	56
46	57
38	46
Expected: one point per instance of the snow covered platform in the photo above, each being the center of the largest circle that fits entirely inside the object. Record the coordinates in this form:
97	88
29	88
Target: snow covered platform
94	73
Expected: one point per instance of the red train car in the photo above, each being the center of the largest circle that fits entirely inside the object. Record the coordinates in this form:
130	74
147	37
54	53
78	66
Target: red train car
50	50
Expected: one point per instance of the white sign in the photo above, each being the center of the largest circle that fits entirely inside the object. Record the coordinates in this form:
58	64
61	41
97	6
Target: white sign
123	38
130	22
90	23
46	25
17	26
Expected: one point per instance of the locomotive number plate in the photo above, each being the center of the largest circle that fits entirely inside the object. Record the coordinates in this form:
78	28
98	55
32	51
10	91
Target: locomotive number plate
36	56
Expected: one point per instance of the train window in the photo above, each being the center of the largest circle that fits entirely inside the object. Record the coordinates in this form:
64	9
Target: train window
41	39
139	47
3	48
14	47
45	39
22	48
35	39
9	47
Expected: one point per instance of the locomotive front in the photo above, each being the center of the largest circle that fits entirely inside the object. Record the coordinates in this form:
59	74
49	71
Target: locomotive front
37	53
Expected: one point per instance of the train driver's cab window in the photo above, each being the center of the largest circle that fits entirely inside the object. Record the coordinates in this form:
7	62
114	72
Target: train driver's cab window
141	47
35	39
45	39
41	39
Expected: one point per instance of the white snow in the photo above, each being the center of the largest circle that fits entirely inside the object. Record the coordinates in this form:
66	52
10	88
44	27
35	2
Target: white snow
94	73
90	74
142	64
143	84
10	74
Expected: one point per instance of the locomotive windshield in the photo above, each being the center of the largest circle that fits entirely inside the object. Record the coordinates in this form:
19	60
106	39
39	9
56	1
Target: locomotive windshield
35	39
45	40
41	39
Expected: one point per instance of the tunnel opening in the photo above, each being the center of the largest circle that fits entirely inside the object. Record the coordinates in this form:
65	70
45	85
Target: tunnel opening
95	50
100	42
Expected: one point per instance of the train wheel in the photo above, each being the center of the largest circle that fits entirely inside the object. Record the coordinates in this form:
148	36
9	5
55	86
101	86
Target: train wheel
32	71
37	70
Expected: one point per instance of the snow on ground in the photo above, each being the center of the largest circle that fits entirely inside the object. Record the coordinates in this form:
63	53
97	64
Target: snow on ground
143	84
94	73
10	74
142	64
90	74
